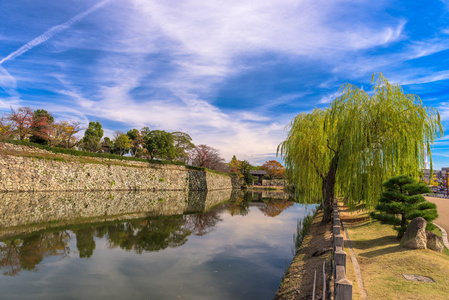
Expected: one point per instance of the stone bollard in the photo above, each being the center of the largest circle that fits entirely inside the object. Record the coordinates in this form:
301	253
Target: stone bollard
343	290
336	222
336	230
336	215
340	257
338	241
340	273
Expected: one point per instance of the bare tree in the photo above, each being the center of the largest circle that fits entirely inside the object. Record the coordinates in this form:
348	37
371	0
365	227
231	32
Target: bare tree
21	121
207	157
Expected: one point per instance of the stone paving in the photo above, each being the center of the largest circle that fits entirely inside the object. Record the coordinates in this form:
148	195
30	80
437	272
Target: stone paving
443	220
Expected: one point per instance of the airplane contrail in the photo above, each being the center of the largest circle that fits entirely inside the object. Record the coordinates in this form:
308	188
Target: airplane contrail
51	32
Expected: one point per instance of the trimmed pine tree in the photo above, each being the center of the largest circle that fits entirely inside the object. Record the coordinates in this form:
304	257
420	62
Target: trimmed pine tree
402	201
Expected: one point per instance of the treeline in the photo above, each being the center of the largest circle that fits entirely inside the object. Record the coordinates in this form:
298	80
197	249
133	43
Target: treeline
39	127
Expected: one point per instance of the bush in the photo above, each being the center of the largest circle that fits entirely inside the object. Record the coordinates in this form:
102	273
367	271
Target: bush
402	201
90	154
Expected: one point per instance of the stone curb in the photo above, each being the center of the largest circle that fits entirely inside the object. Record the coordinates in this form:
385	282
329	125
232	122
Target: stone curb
445	241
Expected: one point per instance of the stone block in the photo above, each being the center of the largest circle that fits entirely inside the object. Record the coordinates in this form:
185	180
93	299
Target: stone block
415	236
340	258
434	242
336	230
338	241
336	222
343	290
340	273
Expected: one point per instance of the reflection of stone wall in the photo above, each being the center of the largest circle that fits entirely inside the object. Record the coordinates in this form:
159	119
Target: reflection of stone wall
200	201
18	173
26	208
17	209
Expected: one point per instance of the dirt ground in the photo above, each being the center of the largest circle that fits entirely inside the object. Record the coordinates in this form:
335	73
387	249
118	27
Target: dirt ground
298	282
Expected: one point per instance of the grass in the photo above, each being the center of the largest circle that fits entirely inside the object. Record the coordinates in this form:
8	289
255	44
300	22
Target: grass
383	261
89	157
302	228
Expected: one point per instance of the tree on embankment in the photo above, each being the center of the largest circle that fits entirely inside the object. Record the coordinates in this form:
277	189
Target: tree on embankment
358	142
402	201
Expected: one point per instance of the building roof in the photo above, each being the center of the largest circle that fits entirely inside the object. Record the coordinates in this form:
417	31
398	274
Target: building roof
257	172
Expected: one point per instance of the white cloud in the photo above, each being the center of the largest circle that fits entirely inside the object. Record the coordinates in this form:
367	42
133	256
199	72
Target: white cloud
330	97
204	42
51	32
419	79
443	109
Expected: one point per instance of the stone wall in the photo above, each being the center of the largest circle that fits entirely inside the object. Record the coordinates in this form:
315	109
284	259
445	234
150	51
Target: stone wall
21	173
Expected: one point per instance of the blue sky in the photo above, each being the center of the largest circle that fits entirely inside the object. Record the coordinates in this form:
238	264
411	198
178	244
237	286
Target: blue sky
232	74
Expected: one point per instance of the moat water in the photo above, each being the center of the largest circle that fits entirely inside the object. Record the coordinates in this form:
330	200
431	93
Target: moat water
238	249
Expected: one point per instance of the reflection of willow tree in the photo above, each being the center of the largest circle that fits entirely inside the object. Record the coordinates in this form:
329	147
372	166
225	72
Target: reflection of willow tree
149	235
85	242
241	205
274	208
201	224
27	253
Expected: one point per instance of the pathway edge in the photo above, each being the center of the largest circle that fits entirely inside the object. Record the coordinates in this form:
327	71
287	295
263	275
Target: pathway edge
444	233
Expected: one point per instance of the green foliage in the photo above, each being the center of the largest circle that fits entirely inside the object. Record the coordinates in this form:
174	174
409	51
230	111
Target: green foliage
91	154
302	228
402	201
245	167
122	143
92	136
358	142
159	144
182	143
161	179
107	145
195	168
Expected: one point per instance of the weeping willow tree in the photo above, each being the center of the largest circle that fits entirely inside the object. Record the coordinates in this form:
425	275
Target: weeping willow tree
359	141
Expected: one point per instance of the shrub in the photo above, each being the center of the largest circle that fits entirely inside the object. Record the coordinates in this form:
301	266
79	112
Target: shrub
402	201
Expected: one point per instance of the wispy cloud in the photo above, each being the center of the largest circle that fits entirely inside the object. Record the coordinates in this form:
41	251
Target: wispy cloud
330	97
51	32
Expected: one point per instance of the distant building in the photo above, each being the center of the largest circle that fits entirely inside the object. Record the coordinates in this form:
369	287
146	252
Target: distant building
439	174
258	173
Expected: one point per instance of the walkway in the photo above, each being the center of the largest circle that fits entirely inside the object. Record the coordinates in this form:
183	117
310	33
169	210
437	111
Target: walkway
443	219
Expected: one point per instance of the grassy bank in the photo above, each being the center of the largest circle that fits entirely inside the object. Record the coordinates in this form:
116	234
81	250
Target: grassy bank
383	261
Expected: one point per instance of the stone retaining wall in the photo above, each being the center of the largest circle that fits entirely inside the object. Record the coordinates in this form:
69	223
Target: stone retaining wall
20	173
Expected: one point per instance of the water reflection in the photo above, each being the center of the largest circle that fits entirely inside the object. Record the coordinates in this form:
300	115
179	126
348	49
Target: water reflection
26	253
236	250
148	235
18	209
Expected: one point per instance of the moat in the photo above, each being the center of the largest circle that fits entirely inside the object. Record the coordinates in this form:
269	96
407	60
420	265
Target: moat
234	247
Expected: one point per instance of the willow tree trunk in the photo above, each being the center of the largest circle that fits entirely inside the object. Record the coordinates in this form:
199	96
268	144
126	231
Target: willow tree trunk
328	190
